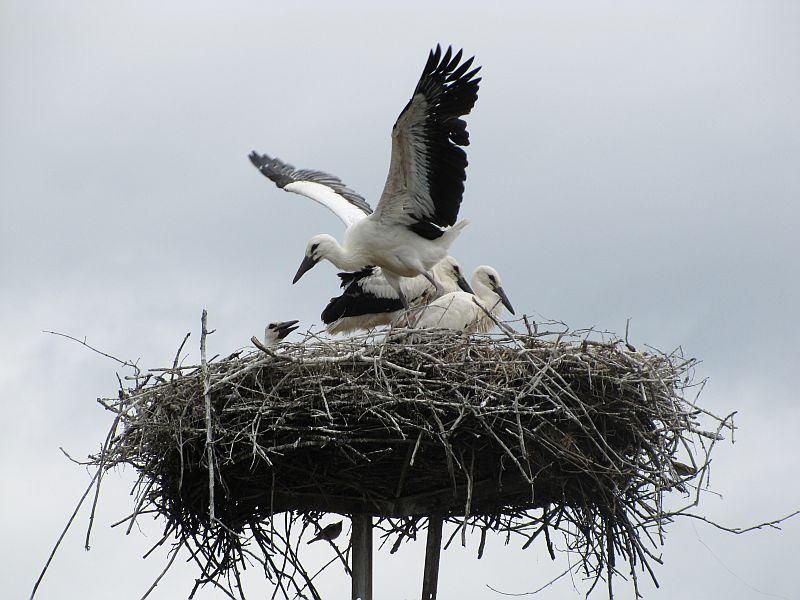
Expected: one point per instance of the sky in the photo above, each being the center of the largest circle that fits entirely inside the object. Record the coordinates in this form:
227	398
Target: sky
629	160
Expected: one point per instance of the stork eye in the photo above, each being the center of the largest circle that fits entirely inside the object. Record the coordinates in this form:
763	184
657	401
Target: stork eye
314	247
492	279
456	270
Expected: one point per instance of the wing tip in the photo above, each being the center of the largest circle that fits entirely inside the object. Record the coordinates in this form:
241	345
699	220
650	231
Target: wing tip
273	168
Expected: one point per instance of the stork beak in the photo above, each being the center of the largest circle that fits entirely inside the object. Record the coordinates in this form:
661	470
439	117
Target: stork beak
306	265
284	328
504	299
462	283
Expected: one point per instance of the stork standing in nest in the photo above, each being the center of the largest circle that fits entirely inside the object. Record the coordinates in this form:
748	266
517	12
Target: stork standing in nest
467	312
369	301
414	223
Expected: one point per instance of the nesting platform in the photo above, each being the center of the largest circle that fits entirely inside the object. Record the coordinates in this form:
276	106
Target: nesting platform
525	433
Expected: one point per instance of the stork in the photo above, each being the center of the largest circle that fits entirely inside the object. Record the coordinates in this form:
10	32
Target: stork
275	332
414	223
369	301
467	312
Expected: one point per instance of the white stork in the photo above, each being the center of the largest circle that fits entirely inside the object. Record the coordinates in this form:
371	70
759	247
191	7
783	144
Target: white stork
369	301
275	332
414	222
467	312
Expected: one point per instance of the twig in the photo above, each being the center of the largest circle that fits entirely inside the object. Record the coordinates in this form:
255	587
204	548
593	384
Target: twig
100	467
536	591
82	342
63	533
178	356
161	575
209	430
773	524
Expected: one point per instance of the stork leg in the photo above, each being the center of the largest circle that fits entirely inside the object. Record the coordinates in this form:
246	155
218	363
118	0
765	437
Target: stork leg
403	298
405	319
434	283
394	281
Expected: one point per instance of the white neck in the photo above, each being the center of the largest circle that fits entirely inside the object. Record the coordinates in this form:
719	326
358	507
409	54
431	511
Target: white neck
342	258
488	297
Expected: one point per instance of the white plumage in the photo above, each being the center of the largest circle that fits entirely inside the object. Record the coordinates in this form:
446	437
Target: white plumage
467	312
414	223
369	301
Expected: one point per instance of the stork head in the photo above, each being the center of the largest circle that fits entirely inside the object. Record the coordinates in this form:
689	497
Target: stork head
319	246
278	330
448	270
488	278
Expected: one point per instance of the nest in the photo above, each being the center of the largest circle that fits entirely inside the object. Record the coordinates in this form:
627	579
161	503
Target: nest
522	433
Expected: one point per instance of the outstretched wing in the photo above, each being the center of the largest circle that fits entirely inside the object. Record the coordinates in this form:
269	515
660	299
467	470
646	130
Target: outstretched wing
428	166
321	187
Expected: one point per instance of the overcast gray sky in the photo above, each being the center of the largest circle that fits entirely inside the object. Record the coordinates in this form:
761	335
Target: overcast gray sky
628	160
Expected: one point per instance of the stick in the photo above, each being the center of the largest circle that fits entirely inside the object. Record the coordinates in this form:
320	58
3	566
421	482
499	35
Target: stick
209	434
161	575
177	357
124	363
99	477
63	533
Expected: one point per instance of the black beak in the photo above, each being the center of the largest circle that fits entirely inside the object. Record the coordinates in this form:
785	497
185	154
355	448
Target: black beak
462	283
306	265
284	328
504	299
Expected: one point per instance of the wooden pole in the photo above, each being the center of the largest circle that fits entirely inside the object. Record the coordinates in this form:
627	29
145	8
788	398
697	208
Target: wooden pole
362	557
433	548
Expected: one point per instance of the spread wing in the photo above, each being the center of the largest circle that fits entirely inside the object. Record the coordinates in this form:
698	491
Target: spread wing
321	187
428	166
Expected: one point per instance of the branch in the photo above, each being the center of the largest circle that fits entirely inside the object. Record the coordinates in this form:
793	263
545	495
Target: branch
209	432
63	533
737	530
124	363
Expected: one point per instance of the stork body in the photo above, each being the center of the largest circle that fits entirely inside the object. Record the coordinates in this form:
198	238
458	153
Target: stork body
414	222
370	301
461	311
397	250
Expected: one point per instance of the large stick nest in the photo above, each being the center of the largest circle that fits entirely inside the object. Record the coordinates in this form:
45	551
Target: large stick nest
524	433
